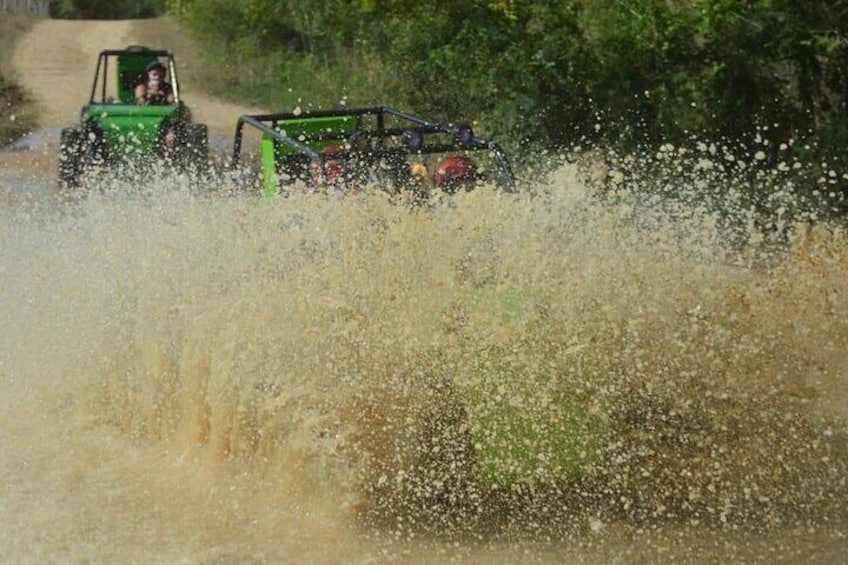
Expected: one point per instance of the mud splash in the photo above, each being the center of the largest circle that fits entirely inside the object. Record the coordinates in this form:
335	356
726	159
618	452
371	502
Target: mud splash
218	378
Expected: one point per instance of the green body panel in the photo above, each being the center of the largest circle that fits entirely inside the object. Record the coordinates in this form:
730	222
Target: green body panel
129	129
269	172
527	419
330	126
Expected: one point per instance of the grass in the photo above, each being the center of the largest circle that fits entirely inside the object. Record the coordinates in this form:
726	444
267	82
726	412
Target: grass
17	113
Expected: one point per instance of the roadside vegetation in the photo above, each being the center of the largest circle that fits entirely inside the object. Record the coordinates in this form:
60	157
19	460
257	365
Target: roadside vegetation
548	71
17	114
755	82
106	9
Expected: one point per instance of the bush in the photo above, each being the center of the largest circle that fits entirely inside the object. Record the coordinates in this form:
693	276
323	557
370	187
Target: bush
14	119
106	9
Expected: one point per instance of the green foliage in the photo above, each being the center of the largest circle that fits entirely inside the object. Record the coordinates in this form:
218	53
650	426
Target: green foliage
17	114
106	9
15	118
262	26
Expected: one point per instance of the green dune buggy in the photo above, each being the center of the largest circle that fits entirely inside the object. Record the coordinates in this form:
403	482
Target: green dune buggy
353	147
116	130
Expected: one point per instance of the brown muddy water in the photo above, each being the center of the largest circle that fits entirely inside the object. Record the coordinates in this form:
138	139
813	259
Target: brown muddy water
196	378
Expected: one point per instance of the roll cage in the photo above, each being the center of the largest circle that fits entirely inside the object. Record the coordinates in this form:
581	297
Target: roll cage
129	65
375	134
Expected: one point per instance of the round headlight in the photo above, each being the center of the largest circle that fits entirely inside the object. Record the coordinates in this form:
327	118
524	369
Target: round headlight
412	139
464	135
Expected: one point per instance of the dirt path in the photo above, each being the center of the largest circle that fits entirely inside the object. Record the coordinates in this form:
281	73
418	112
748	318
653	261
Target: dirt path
56	60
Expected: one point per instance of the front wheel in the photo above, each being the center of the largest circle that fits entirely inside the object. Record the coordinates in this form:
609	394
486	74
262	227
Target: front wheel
197	146
70	162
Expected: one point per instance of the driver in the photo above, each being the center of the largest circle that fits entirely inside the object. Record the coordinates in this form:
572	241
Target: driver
332	175
154	90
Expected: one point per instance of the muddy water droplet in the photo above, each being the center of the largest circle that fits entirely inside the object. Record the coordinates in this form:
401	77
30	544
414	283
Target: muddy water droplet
196	376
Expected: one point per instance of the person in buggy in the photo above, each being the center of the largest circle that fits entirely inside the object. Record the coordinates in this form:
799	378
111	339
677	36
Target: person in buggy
153	88
455	173
452	174
349	168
